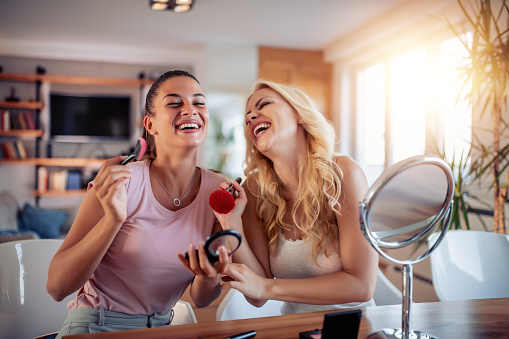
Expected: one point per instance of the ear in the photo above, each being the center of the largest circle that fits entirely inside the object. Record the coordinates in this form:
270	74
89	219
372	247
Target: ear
149	125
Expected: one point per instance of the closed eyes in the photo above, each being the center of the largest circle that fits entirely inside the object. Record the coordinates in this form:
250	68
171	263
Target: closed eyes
179	103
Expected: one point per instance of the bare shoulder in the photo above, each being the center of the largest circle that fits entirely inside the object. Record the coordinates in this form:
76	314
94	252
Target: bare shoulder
348	166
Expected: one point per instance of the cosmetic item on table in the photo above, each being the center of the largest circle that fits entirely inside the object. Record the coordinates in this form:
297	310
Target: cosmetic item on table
222	201
245	335
343	324
138	152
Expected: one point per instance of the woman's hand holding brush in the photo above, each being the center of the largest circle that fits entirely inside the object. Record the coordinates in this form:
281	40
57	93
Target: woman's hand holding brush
223	201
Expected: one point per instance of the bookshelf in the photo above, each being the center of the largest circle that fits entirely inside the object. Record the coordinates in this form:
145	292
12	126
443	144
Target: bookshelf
12	135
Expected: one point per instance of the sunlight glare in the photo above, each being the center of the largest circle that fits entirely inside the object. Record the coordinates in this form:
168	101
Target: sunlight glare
408	91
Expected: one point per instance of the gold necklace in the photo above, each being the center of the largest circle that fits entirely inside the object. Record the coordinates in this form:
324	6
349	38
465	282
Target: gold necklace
176	201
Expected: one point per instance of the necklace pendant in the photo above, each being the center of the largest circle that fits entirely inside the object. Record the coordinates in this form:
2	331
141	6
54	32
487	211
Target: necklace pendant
176	202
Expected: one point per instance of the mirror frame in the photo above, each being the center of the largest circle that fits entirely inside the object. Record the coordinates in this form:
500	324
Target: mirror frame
381	182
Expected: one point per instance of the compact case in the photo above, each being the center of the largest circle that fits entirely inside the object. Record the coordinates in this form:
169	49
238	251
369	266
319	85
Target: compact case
343	325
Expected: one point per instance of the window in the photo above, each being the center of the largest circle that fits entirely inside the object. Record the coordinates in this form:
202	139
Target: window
408	106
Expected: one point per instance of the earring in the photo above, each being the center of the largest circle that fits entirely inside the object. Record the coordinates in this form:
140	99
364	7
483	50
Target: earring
300	121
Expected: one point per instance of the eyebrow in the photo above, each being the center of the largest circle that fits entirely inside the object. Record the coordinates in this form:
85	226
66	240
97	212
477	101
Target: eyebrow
258	102
175	95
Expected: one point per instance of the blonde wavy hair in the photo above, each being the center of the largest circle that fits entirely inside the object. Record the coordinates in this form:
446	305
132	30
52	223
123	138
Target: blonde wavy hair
319	188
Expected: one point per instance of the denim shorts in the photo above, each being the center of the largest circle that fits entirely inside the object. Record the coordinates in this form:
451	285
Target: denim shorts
89	320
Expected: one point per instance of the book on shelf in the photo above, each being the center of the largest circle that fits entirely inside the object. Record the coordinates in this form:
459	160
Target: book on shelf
6	120
58	180
20	147
5	150
22	120
42	179
30	119
9	151
74	179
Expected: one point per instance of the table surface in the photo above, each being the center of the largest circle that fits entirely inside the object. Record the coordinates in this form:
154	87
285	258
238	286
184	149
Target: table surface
487	318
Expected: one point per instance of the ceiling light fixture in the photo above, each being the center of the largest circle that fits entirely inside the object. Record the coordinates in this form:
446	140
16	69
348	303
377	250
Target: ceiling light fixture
179	6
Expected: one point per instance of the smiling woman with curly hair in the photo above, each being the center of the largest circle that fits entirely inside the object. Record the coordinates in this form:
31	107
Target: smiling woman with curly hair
298	210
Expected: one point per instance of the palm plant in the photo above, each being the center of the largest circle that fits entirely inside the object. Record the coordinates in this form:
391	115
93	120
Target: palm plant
464	203
486	75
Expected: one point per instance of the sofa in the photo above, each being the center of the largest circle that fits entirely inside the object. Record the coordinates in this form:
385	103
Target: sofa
30	222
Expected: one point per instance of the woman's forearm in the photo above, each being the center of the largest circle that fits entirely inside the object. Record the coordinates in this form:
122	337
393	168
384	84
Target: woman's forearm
204	290
335	288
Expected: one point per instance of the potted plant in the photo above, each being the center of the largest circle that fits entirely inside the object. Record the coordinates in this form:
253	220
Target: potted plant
486	78
464	202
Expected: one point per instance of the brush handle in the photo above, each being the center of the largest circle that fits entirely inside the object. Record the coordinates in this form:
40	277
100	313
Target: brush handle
231	189
128	159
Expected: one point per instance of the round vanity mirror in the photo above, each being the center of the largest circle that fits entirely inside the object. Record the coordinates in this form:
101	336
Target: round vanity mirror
409	201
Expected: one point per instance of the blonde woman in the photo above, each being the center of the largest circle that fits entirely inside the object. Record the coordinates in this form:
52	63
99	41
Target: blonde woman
298	210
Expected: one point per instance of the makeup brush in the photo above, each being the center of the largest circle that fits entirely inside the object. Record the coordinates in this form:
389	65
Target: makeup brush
138	152
222	201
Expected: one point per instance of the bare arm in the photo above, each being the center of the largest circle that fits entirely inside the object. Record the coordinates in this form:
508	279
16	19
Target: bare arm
99	218
356	283
253	251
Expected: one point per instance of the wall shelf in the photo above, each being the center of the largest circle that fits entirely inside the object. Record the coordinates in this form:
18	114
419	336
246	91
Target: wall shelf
21	104
75	80
55	162
22	133
66	193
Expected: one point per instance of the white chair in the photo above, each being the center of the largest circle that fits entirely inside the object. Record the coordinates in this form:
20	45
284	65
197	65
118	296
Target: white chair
385	291
26	309
183	314
470	265
235	306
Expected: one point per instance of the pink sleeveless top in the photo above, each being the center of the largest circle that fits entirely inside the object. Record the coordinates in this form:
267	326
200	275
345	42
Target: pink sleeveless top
140	273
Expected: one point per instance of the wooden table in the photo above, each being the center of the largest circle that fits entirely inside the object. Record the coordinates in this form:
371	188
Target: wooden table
487	318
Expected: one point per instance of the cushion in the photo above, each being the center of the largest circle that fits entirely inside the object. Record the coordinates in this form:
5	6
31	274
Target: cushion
45	222
71	212
8	212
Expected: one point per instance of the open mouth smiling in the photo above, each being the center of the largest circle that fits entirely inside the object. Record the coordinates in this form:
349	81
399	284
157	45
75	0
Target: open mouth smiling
260	128
188	126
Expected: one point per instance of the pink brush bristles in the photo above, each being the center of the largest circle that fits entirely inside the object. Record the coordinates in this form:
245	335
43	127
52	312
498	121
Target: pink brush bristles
143	148
138	152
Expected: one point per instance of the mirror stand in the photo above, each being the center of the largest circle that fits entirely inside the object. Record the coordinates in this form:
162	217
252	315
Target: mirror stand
408	202
405	332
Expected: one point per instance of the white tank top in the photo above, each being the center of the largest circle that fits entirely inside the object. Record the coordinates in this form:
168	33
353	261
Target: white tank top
294	260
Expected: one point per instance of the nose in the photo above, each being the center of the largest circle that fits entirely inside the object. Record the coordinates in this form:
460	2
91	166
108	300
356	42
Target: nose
251	116
186	111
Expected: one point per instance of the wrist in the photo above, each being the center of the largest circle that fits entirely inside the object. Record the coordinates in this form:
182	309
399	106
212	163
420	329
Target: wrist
114	219
208	281
269	287
233	224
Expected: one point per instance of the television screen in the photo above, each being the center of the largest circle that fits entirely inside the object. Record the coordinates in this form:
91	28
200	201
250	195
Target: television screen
89	118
